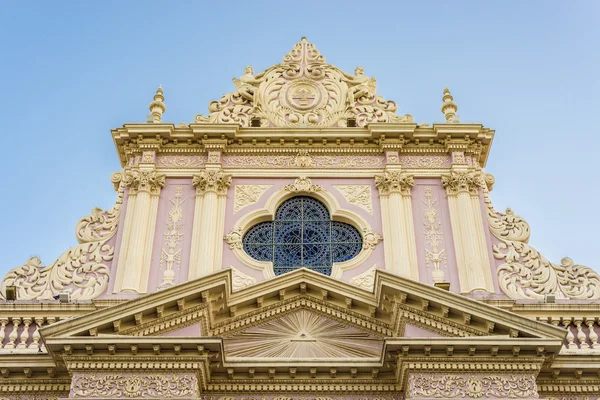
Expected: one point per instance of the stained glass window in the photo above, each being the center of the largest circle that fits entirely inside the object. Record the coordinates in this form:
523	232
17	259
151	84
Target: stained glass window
302	235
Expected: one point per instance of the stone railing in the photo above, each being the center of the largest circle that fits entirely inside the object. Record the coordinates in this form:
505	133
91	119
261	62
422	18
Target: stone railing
582	335
21	334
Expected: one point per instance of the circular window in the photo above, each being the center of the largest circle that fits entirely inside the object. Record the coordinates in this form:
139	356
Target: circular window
302	235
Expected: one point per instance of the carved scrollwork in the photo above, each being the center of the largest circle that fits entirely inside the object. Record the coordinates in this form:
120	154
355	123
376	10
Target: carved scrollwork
525	273
303	91
212	181
81	269
394	182
144	181
303	184
134	386
462	182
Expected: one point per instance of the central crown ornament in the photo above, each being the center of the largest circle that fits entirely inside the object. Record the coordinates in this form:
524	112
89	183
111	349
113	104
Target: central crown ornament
303	91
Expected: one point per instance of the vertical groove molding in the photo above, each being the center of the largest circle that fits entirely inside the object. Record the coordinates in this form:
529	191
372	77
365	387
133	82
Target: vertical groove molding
209	214
400	247
133	268
474	269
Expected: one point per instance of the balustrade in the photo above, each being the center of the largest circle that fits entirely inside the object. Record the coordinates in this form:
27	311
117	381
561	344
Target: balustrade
22	334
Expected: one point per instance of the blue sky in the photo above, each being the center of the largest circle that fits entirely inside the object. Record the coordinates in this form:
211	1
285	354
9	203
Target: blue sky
72	70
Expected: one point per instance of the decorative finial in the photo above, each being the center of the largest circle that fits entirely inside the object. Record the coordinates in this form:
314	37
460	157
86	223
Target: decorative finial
303	39
157	107
449	107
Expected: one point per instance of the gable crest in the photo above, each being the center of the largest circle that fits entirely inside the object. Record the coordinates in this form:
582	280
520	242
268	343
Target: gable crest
303	91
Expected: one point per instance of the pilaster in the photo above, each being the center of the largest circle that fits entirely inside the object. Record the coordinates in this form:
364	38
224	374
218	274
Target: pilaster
462	186
397	219
144	185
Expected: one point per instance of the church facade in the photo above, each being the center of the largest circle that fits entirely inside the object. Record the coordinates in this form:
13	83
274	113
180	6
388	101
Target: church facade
301	241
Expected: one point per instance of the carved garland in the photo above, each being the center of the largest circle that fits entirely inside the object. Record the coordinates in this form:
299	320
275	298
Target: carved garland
134	386
82	269
525	273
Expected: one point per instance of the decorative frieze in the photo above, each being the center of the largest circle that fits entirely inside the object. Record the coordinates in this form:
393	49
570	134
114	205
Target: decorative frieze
211	181
358	195
245	195
122	385
302	160
462	181
171	161
473	386
394	182
424	161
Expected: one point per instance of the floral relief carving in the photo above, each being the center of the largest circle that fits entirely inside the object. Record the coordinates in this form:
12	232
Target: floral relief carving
234	238
359	195
425	161
144	181
303	159
180	161
370	238
394	182
83	269
134	386
434	256
366	280
303	91
171	251
316	161
239	280
525	273
462	182
212	181
474	386
303	184
246	195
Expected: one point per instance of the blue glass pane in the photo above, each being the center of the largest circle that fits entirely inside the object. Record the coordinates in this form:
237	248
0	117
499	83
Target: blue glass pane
260	233
288	256
316	255
344	233
345	251
288	232
314	210
260	252
290	210
316	232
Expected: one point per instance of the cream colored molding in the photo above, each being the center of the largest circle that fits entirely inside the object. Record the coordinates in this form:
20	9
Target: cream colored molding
82	270
527	274
366	280
474	269
303	91
117	384
303	160
434	256
133	269
303	186
172	237
239	280
209	218
424	161
246	195
398	224
359	195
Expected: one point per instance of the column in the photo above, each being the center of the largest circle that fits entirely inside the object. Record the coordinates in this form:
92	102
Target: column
398	226
474	270
209	218
138	231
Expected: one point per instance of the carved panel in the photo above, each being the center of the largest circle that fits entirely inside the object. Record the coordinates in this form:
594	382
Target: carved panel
246	195
172	237
239	280
425	161
125	386
359	195
315	161
167	161
366	280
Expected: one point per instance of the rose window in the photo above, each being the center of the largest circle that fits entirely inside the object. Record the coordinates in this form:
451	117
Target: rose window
302	235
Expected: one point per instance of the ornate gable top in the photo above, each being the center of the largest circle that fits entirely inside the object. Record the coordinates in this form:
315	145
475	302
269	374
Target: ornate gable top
303	91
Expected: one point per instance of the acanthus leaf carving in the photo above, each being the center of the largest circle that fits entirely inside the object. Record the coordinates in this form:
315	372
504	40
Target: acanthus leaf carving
462	182
525	273
144	181
303	91
303	184
246	195
359	195
134	386
239	280
370	238
82	269
212	181
366	280
394	182
234	238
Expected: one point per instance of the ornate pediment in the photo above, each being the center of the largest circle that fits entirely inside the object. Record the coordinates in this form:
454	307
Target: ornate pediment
303	91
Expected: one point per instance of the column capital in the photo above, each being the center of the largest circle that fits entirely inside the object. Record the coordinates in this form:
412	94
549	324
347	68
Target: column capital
462	181
211	181
394	182
144	181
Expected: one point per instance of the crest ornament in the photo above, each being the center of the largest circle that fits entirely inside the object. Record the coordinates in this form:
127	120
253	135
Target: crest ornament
303	91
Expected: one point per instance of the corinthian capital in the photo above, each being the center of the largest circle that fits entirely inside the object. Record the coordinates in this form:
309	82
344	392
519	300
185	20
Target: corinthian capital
394	182
462	182
144	181
212	181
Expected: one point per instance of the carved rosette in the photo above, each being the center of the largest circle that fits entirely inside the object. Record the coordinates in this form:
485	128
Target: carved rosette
134	386
144	181
525	273
462	182
303	184
83	269
215	181
394	182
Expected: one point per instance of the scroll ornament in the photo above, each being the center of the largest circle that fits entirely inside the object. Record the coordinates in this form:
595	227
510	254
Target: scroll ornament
462	182
83	269
144	181
134	386
525	273
303	91
211	181
394	182
474	386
